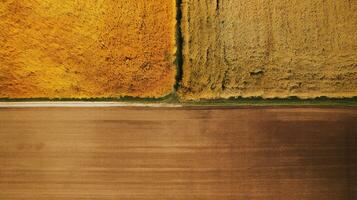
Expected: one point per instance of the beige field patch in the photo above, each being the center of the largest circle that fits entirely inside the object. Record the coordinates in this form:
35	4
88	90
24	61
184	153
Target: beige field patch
81	49
269	48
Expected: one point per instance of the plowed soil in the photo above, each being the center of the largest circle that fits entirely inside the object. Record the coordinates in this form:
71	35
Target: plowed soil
178	153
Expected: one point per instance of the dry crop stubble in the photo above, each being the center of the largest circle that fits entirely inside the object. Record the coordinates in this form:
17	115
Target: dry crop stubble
83	49
268	49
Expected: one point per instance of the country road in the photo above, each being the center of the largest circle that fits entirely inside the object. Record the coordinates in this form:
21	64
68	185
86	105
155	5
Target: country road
201	153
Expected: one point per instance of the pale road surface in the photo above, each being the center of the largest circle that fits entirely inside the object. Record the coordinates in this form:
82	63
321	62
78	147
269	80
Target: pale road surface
201	153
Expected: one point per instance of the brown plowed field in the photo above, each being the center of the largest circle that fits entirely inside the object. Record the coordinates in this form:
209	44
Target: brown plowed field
178	153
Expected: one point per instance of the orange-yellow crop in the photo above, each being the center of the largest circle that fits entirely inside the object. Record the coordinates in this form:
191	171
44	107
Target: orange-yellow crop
82	48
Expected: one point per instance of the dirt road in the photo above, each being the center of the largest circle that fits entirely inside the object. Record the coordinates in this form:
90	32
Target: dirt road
178	153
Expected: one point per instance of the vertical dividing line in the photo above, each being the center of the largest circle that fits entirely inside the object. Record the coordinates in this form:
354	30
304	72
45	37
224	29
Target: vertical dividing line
179	44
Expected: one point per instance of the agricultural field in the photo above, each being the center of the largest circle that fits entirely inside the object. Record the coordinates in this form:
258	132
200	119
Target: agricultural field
269	49
195	50
83	49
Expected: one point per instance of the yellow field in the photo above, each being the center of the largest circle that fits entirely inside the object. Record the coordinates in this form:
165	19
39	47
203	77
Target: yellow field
111	48
265	48
85	48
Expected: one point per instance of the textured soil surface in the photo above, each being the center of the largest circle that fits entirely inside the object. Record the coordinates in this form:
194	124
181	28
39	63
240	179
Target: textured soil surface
178	154
280	48
76	48
108	48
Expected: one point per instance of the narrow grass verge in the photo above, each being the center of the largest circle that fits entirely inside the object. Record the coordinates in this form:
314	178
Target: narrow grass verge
291	101
179	45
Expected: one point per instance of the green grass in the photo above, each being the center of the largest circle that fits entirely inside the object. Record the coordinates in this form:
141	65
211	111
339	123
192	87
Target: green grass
166	99
291	101
234	101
